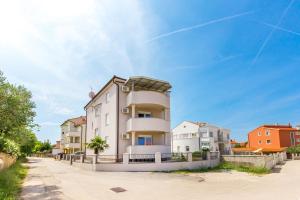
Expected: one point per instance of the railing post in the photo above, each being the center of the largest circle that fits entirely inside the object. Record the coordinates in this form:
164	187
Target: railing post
189	157
81	158
125	158
157	157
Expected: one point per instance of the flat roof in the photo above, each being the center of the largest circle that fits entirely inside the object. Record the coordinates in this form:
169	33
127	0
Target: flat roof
146	83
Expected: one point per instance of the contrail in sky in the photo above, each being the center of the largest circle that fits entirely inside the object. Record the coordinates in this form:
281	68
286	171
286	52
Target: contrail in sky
199	26
282	29
272	31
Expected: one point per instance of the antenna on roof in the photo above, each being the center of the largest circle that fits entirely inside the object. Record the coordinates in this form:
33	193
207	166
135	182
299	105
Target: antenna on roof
92	93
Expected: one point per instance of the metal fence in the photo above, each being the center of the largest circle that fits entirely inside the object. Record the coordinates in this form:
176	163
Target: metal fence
110	158
76	158
199	155
174	157
141	158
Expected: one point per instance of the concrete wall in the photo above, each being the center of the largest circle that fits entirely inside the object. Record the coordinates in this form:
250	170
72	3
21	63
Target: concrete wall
157	166
6	161
267	161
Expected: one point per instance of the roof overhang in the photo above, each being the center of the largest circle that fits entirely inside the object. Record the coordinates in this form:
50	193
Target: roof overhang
146	83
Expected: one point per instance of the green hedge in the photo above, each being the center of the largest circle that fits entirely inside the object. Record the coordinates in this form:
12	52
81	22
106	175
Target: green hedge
9	146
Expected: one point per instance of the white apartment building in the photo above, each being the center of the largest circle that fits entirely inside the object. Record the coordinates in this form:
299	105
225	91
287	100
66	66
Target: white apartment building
72	135
132	115
195	136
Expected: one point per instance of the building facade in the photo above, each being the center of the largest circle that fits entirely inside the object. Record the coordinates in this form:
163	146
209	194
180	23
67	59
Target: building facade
132	115
72	135
195	136
273	137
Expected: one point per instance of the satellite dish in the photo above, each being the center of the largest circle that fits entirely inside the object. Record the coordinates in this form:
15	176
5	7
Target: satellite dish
92	93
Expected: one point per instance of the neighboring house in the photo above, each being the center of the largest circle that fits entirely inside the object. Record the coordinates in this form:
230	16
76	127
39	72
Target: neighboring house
195	136
271	138
56	149
132	115
72	135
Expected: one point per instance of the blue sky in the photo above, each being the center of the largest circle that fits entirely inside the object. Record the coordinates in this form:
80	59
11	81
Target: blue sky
231	63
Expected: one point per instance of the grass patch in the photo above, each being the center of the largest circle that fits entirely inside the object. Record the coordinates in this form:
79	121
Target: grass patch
11	181
226	166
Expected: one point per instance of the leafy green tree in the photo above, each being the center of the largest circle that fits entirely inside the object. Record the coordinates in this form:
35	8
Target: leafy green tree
42	147
17	107
98	144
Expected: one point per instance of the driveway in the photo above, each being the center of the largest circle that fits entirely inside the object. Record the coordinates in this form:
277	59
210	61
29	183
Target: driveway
49	179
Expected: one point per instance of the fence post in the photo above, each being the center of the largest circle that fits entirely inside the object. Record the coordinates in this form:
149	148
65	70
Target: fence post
95	162
208	155
190	157
125	158
157	157
81	158
71	159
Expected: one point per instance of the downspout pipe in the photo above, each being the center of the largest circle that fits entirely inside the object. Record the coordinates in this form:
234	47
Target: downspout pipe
118	115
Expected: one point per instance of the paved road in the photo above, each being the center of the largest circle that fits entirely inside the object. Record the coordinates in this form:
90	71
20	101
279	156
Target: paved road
49	179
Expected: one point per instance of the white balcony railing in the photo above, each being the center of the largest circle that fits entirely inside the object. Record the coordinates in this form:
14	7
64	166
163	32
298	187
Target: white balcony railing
73	134
148	97
148	124
72	145
148	149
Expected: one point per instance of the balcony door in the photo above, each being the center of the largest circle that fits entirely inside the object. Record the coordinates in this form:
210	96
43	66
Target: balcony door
144	140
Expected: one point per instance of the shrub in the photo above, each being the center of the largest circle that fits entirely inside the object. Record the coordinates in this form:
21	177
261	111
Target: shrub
10	147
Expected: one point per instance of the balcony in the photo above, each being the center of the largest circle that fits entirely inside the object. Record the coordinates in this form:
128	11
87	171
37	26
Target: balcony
73	134
148	97
148	124
148	149
72	145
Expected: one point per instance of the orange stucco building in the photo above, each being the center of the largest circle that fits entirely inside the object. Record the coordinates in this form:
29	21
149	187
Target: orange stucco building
273	137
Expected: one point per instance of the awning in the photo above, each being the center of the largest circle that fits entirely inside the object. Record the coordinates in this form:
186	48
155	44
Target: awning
146	83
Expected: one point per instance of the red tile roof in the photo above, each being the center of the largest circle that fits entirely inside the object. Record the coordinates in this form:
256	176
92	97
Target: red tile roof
77	121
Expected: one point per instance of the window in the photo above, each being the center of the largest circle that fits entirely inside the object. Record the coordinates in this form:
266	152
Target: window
144	114
107	97
106	119
97	110
259	142
298	139
77	139
292	136
187	148
96	132
298	133
211	134
259	133
268	133
144	140
268	141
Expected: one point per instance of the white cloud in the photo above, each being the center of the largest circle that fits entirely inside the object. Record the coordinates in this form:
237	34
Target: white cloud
59	49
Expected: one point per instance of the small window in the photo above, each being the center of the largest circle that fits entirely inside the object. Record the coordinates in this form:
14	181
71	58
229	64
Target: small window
107	119
259	142
187	148
107	97
259	133
268	141
144	114
268	133
97	110
211	134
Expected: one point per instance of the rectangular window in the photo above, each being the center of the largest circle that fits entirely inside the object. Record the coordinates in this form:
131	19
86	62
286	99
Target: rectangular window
107	97
97	110
259	133
259	142
144	140
268	141
144	114
268	133
107	119
292	135
187	148
211	134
